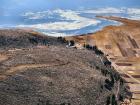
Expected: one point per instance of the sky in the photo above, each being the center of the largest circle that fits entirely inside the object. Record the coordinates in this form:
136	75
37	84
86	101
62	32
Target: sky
18	6
65	4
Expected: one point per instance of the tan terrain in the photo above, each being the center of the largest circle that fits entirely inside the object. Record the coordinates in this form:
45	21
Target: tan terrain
40	70
121	44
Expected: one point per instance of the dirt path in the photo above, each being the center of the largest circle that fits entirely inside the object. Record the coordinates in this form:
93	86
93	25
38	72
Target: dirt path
23	67
3	57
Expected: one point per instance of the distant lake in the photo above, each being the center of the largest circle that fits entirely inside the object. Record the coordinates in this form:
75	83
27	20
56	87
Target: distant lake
65	18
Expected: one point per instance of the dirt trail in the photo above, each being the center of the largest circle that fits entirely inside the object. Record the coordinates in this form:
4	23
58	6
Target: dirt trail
3	57
23	67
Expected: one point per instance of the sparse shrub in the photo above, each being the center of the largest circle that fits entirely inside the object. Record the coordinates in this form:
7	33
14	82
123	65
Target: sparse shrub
61	39
117	77
107	63
108	84
102	87
99	52
62	104
104	72
108	100
97	67
84	45
94	47
33	40
45	42
114	102
112	80
65	104
88	47
72	43
121	81
121	98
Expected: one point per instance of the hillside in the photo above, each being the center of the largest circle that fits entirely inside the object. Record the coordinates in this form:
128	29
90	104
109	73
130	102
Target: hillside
18	38
121	44
39	70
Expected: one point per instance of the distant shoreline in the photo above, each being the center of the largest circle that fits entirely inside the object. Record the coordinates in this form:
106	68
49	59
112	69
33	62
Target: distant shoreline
122	20
99	28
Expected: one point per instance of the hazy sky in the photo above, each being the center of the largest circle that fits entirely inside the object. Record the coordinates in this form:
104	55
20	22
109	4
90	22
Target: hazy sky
65	4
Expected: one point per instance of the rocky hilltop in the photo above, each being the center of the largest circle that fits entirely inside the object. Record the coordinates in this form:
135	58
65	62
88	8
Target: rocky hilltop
40	70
